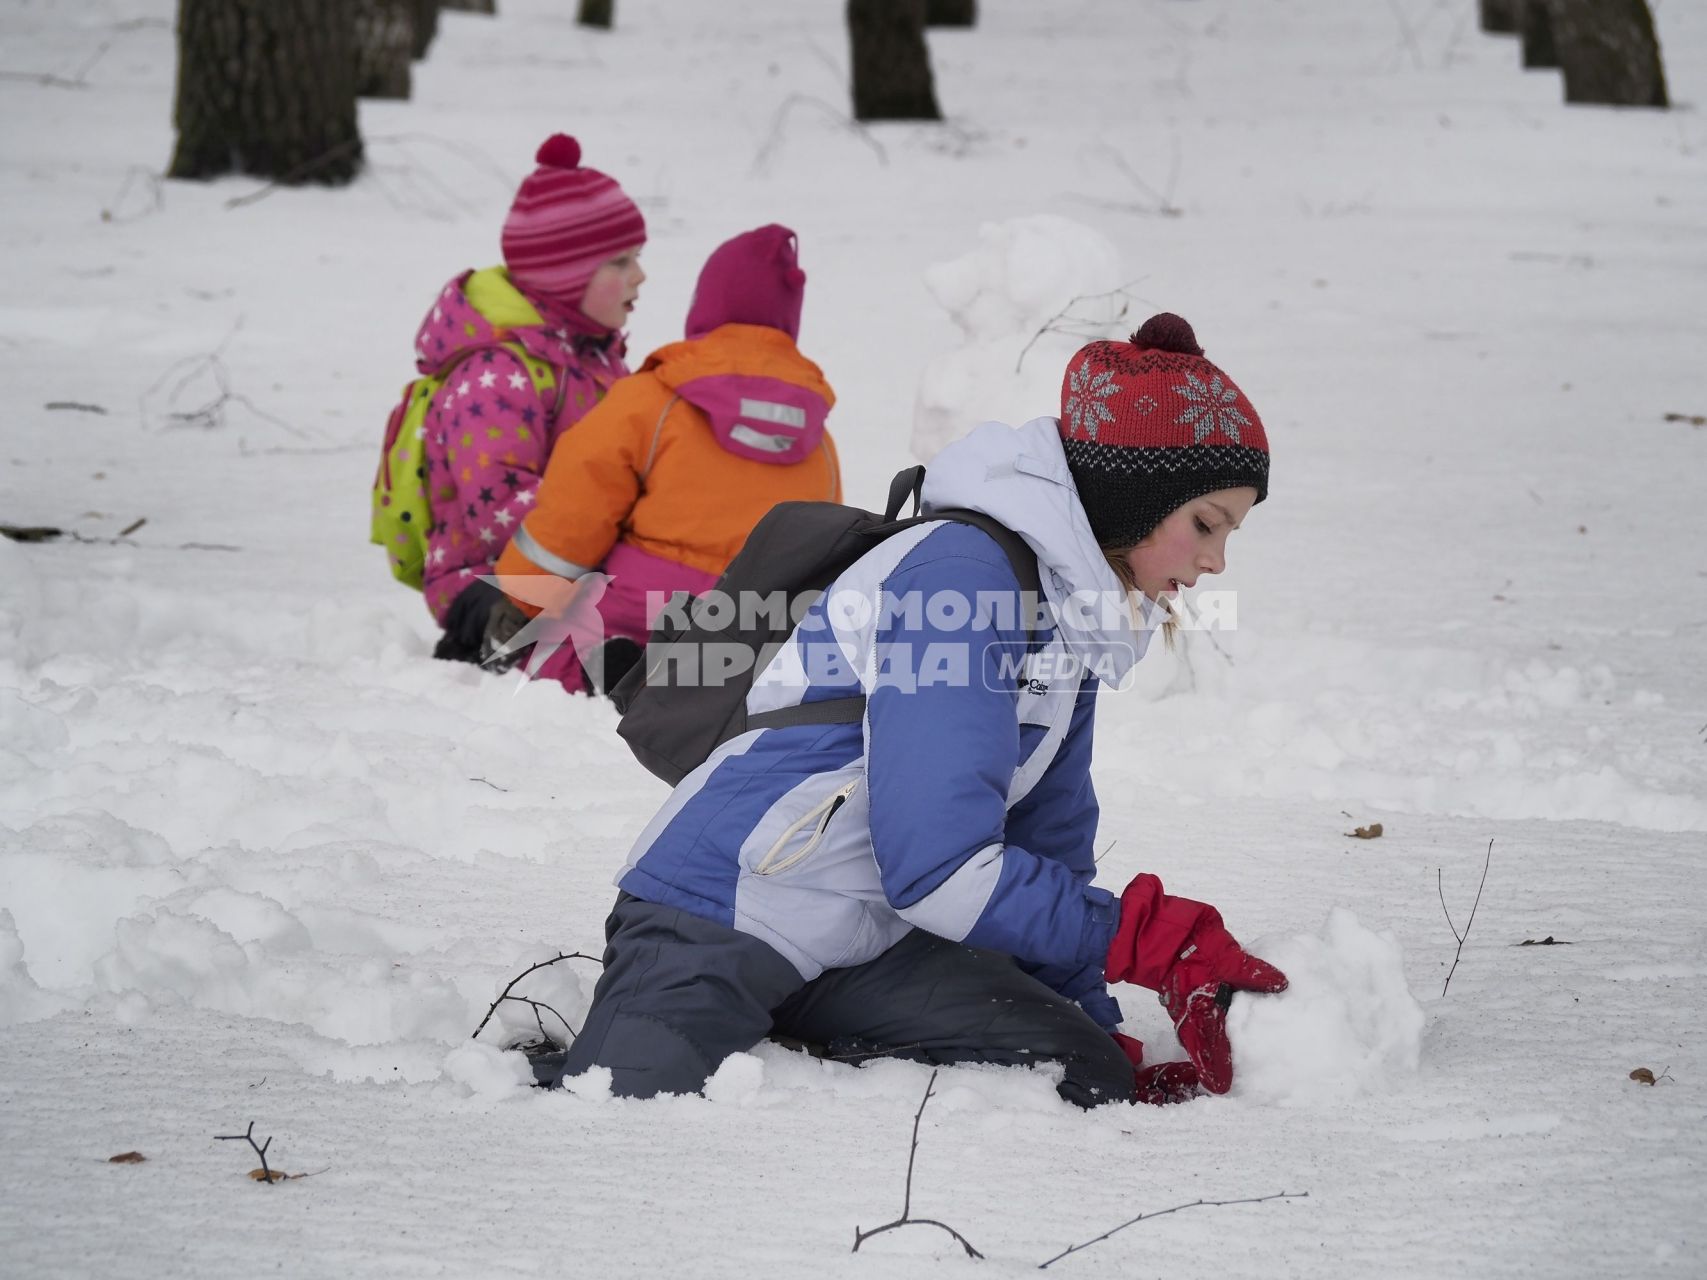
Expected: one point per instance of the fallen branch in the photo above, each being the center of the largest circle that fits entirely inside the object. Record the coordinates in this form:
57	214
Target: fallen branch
1467	923
30	532
1143	1217
267	1174
293	177
536	1005
860	1237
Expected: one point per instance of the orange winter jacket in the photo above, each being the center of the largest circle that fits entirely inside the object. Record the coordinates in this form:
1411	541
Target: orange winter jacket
682	458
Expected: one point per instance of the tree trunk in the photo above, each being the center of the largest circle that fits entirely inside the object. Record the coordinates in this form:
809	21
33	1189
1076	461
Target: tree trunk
385	37
426	26
471	6
1499	17
1535	20
1609	53
597	13
266	87
891	64
955	13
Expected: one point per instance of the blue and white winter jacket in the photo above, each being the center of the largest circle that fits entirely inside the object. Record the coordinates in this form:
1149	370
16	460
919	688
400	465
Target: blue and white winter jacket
963	802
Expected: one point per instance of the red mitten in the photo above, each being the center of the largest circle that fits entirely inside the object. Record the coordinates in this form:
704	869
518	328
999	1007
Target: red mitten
1180	949
1167	1082
1133	1049
1161	1084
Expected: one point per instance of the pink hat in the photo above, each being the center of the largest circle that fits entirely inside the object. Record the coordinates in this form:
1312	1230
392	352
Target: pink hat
565	223
754	278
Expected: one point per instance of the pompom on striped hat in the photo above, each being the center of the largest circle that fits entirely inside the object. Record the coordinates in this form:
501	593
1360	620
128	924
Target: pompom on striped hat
1148	425
566	222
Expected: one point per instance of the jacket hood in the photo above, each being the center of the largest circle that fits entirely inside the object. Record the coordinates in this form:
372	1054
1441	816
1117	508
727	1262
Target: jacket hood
479	309
765	401
1019	476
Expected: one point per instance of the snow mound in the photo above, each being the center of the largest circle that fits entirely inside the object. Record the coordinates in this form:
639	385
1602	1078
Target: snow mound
21	1000
1032	292
1346	1025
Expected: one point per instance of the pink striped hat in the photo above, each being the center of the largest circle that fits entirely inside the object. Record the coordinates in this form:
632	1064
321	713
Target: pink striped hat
565	223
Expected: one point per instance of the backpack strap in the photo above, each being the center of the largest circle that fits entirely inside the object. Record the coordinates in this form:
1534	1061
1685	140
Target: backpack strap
906	484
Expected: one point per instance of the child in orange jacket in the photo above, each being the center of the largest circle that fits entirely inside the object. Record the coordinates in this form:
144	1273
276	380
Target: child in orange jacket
657	488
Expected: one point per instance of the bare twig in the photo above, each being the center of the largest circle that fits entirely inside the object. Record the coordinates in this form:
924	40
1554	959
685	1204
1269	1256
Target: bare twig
1215	644
46	78
136	178
774	140
1467	923
1064	321
76	406
493	785
1152	202
1278	1195
260	1149
860	1237
399	140
210	415
78	80
1407	37
534	1004
293	176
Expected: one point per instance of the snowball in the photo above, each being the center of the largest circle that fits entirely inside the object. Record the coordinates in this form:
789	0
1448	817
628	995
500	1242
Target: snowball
1346	1025
487	1072
737	1081
593	1084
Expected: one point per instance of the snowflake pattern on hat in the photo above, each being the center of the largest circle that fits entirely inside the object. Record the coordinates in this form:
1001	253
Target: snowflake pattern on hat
1087	407
1212	408
1152	423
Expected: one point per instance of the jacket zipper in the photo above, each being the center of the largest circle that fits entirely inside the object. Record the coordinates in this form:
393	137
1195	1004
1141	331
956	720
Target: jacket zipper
772	863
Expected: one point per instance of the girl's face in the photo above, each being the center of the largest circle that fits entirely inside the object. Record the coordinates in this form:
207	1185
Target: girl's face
612	290
1190	542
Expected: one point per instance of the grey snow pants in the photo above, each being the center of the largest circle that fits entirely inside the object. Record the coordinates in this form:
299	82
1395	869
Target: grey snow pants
680	993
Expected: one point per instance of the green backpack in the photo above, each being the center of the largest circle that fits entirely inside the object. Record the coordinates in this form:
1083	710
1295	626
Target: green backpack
402	508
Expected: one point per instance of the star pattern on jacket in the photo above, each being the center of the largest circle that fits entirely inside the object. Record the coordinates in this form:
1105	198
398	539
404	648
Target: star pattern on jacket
490	429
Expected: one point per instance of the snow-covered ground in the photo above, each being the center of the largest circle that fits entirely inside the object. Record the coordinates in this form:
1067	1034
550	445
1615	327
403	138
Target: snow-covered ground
262	860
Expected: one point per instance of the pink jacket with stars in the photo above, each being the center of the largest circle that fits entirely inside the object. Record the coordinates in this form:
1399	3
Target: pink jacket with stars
489	433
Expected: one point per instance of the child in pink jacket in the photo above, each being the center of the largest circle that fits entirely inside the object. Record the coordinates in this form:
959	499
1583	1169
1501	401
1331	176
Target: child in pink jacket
571	274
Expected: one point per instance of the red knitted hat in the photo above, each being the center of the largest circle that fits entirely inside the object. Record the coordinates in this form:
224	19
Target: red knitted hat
565	223
1148	425
753	278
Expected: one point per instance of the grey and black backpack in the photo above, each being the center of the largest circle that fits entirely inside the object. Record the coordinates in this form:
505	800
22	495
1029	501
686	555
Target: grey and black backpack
677	708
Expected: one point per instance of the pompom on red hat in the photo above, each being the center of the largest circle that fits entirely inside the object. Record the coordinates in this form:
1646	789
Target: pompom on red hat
565	223
752	278
1148	425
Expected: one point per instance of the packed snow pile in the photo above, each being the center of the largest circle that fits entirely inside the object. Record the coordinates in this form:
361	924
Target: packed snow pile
1029	294
1347	1023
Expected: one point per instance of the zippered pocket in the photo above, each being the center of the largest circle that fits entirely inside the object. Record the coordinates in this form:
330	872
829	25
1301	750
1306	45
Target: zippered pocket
775	862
